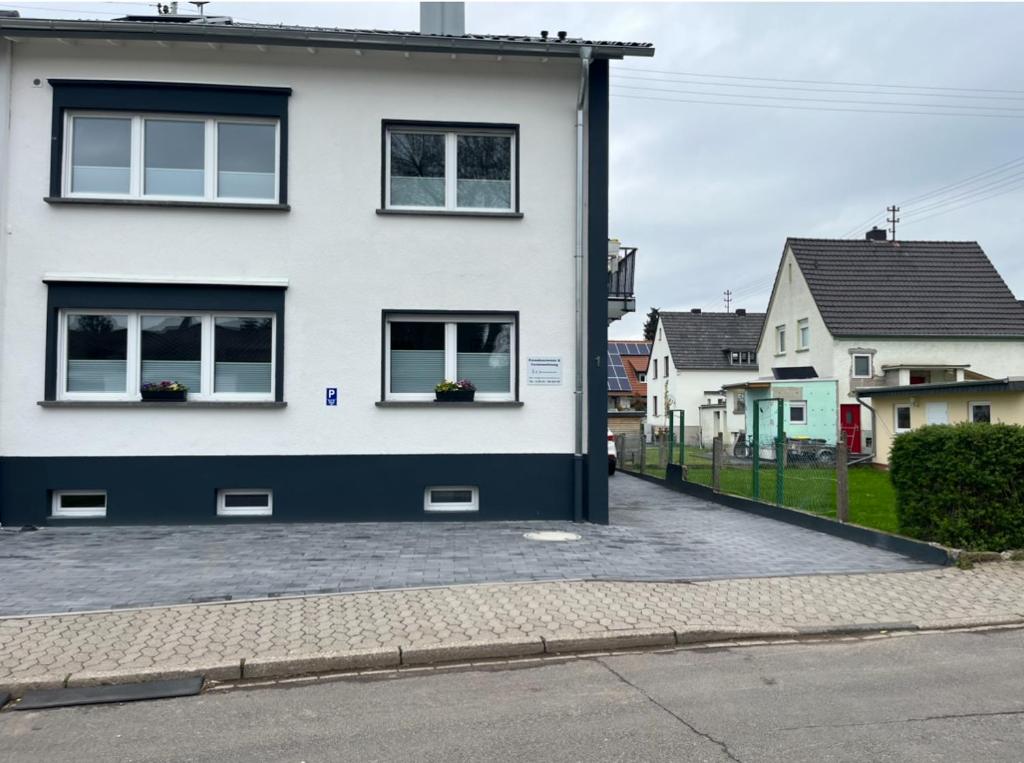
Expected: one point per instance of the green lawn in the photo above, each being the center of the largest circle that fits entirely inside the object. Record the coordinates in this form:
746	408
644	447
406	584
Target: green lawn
872	500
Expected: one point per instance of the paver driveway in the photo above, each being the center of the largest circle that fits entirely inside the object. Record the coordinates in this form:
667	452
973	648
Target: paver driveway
655	534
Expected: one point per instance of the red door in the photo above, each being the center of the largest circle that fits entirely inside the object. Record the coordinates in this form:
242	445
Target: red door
849	425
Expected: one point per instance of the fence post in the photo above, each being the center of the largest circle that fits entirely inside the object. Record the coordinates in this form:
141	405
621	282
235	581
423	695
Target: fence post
671	435
780	454
842	481
717	456
755	450
682	439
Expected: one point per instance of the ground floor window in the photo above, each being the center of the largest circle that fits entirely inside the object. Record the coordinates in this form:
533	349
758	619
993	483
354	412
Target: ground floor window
451	499
902	418
112	354
245	503
423	349
79	504
981	413
798	412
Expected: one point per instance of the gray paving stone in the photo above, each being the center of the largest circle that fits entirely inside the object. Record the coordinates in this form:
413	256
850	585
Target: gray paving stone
655	535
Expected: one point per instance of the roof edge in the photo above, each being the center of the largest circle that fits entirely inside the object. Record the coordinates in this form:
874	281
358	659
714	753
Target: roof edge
247	34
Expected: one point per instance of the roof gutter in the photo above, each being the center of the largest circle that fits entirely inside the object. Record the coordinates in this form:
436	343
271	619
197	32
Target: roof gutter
238	34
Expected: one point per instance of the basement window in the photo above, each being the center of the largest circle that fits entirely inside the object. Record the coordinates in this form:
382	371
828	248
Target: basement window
451	499
79	504
245	503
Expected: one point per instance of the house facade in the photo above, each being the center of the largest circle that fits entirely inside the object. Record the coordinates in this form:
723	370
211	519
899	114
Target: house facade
694	356
874	313
264	214
627	385
904	408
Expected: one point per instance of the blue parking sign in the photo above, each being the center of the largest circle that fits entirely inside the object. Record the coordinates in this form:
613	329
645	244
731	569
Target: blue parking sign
332	396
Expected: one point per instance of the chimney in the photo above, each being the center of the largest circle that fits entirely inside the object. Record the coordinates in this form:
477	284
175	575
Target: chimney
443	18
875	234
741	311
695	310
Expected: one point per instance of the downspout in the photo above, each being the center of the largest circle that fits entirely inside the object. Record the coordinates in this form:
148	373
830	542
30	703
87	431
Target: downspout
580	359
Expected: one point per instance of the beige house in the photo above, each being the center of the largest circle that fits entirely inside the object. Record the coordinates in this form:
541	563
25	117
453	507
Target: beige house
908	407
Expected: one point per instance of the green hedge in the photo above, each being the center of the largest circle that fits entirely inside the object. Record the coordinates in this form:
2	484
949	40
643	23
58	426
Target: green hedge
962	485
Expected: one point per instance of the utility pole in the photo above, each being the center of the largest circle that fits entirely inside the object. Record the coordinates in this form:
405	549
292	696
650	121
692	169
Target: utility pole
728	299
892	220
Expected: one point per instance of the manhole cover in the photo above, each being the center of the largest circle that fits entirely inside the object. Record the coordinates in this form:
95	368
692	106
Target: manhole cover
551	535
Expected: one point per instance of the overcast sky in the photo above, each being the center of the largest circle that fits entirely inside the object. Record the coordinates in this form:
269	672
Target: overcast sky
709	192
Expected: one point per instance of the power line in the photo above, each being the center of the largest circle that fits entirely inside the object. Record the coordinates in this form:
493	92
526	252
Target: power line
860	226
950	186
801	99
820	108
823	82
1019	185
968	194
817	89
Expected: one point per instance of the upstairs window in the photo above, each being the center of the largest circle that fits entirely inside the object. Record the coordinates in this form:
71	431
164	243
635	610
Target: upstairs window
454	168
171	157
803	334
780	340
861	367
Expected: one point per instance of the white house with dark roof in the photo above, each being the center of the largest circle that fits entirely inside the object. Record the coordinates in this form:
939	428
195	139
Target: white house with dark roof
694	355
308	228
874	312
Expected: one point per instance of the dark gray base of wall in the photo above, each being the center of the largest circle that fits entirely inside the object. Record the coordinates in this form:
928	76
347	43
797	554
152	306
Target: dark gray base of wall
183	489
915	549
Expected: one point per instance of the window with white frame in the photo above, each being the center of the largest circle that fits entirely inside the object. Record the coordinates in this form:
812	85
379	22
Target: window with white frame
116	155
803	334
79	504
245	503
798	412
655	376
424	349
861	366
981	413
450	168
641	377
780	339
451	499
901	418
110	354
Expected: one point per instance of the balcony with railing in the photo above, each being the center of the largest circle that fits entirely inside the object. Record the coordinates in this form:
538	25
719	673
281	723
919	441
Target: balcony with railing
621	272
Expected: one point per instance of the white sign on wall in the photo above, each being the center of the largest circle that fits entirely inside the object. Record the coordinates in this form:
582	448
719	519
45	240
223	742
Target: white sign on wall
544	369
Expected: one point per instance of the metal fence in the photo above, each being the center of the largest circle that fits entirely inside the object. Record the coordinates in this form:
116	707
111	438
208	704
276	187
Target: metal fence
763	463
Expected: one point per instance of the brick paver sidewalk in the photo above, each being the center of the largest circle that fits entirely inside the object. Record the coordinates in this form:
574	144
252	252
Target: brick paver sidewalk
366	630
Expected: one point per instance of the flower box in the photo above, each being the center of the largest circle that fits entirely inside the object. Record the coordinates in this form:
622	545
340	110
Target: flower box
455	396
165	396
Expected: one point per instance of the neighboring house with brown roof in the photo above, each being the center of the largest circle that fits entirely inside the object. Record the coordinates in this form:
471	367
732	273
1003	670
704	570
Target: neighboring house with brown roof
627	385
695	354
881	313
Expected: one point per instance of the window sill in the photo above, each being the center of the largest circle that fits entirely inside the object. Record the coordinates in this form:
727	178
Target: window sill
151	404
435	404
448	213
780	355
803	349
157	203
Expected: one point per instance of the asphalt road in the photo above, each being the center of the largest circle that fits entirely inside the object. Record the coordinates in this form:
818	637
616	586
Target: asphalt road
952	696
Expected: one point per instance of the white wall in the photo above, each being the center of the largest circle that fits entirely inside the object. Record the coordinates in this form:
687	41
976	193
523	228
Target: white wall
344	262
792	302
6	63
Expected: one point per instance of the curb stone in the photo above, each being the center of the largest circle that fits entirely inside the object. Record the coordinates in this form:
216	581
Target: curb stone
324	662
471	650
218	671
695	635
611	640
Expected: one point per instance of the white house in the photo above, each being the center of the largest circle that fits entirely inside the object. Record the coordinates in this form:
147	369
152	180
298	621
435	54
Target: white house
309	228
694	355
882	313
